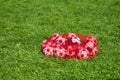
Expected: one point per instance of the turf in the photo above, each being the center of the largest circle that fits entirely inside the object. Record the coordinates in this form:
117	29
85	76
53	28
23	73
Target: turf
24	24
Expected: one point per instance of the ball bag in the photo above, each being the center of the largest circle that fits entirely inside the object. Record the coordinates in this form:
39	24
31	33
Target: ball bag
70	45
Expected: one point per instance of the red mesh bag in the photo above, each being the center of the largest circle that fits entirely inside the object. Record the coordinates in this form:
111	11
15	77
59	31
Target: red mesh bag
70	45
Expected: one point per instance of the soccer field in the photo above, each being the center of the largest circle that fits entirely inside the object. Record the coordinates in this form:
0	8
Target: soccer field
24	24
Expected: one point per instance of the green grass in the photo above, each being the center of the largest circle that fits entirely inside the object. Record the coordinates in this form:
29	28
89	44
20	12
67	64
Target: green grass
24	24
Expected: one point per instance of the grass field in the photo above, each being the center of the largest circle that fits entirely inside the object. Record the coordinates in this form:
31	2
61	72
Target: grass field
24	24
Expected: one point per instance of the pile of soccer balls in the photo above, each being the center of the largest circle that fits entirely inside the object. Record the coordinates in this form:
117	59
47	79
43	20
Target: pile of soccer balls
70	45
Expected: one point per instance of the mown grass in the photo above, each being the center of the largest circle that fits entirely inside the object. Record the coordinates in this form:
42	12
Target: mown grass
24	24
